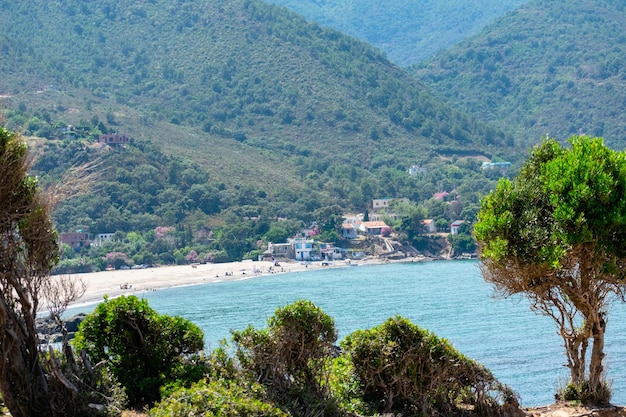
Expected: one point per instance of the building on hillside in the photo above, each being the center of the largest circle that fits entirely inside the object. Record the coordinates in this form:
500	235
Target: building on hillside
75	240
454	226
101	238
429	226
372	228
381	203
348	231
381	217
416	170
114	139
501	166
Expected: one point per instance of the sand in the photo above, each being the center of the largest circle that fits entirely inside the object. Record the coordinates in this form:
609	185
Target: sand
131	281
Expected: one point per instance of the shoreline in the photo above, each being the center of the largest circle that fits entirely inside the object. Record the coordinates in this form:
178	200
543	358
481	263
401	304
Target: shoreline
114	283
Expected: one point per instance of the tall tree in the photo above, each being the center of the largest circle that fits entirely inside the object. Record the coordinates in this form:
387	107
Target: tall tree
557	234
28	251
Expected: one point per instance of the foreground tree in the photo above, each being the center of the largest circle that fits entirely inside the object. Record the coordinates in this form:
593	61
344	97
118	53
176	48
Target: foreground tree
32	384
557	234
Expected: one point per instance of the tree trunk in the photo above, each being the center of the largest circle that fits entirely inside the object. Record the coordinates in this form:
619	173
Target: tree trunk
25	390
596	368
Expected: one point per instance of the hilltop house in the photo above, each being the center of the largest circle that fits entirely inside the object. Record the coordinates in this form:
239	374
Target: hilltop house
114	139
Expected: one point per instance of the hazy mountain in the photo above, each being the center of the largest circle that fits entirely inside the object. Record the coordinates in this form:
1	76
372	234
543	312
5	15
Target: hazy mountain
552	67
408	31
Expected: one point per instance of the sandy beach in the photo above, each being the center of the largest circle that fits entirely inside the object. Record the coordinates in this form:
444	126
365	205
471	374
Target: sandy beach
131	281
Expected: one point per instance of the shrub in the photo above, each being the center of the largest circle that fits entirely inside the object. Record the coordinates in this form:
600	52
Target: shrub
402	368
142	349
292	357
218	398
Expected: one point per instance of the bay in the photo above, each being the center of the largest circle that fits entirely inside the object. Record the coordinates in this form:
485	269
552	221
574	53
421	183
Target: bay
449	298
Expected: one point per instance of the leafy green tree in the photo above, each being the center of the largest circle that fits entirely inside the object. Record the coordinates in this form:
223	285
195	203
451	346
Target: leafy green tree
292	356
557	234
402	368
142	349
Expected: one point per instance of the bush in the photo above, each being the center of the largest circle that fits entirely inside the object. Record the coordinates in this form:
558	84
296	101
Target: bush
219	398
584	394
292	357
142	349
401	368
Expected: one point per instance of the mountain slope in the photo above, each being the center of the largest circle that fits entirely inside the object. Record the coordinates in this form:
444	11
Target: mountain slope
408	32
240	75
552	67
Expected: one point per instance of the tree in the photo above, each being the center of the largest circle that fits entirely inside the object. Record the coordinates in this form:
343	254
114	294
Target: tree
141	348
31	383
557	234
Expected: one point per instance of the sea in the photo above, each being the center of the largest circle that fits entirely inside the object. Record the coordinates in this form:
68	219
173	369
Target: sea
449	298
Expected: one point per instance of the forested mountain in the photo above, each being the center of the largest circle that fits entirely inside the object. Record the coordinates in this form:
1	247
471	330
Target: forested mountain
240	71
281	118
552	67
408	31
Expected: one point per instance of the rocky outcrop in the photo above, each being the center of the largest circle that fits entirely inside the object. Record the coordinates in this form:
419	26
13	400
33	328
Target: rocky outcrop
49	331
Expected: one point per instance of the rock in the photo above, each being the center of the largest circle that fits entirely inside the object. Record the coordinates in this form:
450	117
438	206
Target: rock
50	332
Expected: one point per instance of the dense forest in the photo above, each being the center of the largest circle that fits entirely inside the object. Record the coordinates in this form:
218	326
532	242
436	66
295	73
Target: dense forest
408	32
549	68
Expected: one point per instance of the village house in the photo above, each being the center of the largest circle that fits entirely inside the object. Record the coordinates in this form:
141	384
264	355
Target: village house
101	238
114	139
381	203
303	249
75	240
329	252
373	228
349	231
454	226
429	226
279	251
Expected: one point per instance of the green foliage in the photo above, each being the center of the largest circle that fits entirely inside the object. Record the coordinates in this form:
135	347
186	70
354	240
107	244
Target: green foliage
548	67
217	398
292	357
585	394
402	368
556	234
128	335
319	105
561	199
407	32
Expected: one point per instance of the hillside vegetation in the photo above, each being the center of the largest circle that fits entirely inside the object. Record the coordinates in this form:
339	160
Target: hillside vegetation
408	32
237	110
223	74
551	67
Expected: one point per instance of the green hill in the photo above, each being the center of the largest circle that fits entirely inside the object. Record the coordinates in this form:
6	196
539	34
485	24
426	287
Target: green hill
225	81
551	67
278	118
408	32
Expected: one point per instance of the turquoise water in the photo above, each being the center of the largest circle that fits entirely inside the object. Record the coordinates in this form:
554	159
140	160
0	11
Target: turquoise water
448	298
